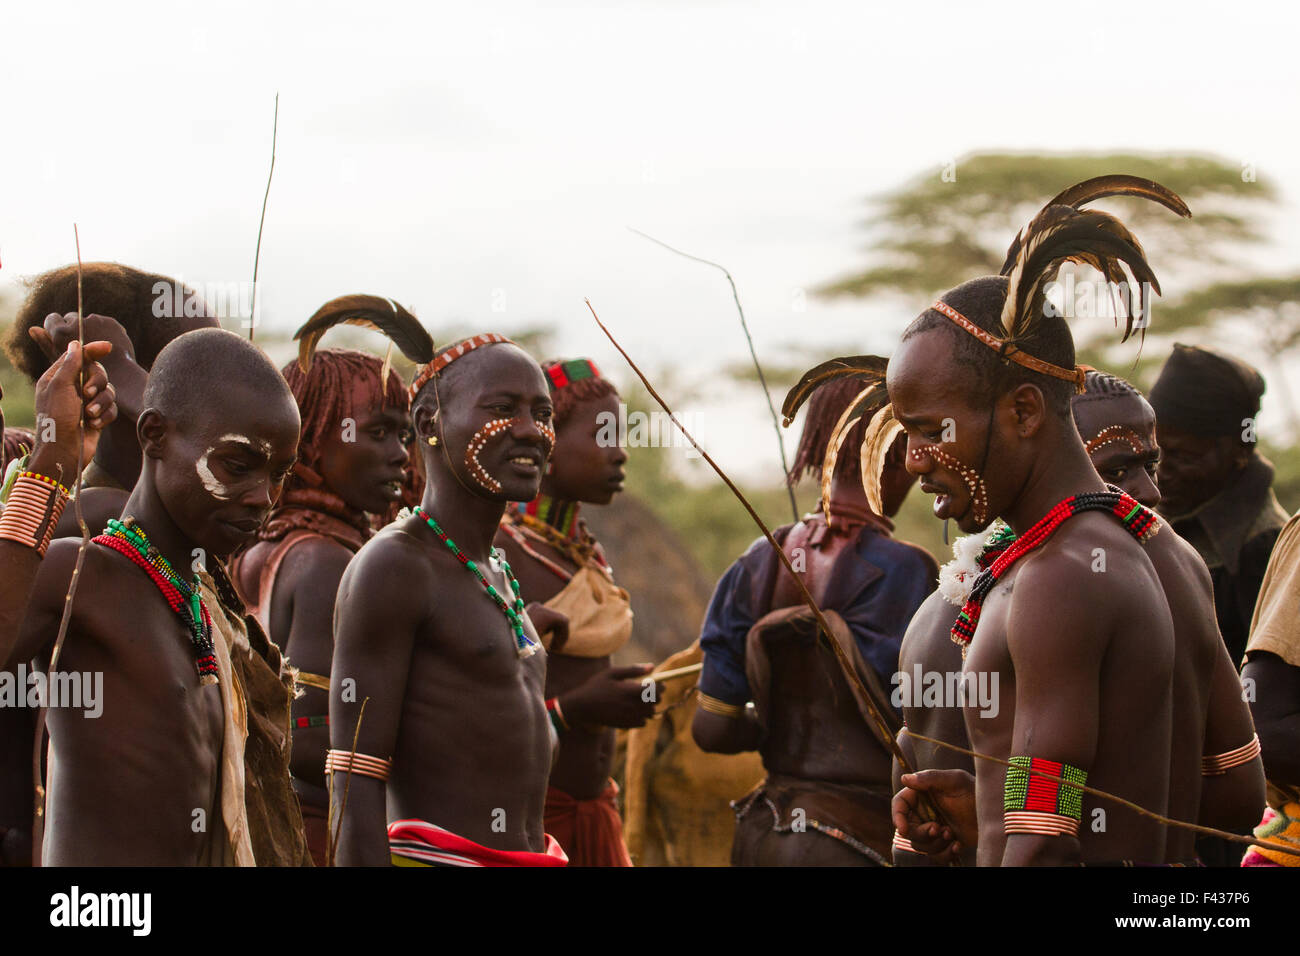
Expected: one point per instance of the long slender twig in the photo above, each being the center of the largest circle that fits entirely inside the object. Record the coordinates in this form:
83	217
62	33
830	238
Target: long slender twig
336	832
38	824
877	724
257	253
762	380
1136	808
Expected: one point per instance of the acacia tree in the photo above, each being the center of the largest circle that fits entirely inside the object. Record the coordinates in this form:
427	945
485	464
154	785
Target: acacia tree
954	222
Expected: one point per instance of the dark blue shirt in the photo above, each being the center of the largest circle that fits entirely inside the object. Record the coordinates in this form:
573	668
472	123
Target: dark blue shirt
876	587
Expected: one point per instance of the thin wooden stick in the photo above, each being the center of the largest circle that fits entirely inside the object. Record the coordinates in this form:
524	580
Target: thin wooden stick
878	725
347	786
1142	811
762	380
38	823
677	672
257	253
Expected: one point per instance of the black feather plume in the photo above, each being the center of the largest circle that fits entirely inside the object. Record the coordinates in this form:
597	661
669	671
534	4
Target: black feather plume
371	312
869	368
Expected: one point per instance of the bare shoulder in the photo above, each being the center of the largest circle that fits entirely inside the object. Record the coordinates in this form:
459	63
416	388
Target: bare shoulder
1071	593
929	634
1170	550
313	562
392	572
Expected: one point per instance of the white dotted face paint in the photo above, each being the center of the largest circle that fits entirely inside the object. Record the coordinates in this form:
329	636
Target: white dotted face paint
481	438
973	480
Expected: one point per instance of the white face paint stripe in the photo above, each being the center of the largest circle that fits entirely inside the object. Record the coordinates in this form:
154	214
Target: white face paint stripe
214	487
256	444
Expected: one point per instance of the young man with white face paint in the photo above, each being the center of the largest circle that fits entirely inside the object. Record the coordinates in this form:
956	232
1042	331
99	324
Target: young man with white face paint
158	779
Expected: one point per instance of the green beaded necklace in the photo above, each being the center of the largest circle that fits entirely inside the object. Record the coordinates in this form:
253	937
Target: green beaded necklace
524	645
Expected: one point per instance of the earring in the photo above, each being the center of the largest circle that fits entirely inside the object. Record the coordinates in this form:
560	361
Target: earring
433	441
550	467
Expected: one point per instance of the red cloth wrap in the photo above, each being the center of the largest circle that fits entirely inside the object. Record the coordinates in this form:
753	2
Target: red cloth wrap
591	831
432	845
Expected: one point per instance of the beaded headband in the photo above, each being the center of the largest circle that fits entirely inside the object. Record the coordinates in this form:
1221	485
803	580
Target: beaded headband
450	354
560	374
1009	351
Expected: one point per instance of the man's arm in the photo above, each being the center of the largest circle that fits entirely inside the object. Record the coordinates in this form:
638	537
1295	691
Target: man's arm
722	723
44	607
1234	800
58	408
376	619
311	574
1276	709
1057	632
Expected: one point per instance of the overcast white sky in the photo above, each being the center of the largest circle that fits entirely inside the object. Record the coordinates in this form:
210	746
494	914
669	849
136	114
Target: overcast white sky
461	158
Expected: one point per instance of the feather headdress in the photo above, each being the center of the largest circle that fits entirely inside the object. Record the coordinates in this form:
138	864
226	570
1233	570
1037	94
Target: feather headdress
868	403
371	312
1063	232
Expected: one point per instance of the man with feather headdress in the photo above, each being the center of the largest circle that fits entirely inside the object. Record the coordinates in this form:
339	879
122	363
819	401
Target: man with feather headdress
825	799
1118	428
981	385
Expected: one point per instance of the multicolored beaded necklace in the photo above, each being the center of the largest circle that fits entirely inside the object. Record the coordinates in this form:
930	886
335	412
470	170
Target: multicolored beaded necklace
1139	521
556	524
524	645
128	538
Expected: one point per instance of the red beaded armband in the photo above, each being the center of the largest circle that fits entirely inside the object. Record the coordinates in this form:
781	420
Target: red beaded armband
346	761
33	510
1220	764
1039	804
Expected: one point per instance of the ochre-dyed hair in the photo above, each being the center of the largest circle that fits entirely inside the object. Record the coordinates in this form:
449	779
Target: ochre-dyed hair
568	398
108	288
325	395
824	410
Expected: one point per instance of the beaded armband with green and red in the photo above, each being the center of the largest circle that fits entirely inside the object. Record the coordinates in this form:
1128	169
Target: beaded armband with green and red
1033	803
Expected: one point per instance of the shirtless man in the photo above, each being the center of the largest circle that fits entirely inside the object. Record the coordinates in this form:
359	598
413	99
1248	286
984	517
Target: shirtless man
21	554
558	561
454	747
1117	426
1072	621
146	783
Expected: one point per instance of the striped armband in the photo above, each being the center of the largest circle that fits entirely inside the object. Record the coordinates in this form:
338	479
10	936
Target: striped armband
345	761
557	716
32	510
720	707
901	842
1036	804
1220	764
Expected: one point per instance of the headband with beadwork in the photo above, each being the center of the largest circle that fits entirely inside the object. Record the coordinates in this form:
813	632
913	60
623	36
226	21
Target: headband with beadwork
450	354
560	374
1009	351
